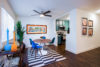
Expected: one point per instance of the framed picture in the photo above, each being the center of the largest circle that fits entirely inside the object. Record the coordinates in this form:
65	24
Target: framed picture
84	31
36	29
90	31
90	23
84	21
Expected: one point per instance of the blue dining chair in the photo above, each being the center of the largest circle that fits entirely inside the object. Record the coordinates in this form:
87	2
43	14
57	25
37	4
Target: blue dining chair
43	37
35	47
53	40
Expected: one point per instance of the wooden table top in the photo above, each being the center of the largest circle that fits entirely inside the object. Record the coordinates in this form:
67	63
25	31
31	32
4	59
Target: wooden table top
42	40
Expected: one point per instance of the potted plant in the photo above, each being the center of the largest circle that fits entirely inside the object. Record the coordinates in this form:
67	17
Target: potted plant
20	32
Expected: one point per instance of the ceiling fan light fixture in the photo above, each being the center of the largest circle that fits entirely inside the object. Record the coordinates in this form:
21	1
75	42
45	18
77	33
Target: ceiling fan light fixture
41	15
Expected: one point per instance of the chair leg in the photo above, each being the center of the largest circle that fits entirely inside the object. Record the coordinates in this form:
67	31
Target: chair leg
35	52
32	51
40	51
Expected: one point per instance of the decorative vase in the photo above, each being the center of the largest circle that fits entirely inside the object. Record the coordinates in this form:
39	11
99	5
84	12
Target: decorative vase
7	47
14	45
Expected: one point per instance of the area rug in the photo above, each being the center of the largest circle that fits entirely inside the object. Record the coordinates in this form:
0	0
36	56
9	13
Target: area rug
42	60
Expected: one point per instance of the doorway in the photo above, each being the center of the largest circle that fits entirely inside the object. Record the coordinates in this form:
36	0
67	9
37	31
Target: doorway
62	28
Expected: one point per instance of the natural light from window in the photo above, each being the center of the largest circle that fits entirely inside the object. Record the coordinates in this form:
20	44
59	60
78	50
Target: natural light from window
6	22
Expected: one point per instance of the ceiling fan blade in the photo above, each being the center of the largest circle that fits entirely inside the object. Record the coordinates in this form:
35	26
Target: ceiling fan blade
36	11
46	12
34	14
49	15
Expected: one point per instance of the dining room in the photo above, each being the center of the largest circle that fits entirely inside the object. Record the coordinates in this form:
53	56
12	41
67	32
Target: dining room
36	24
41	32
35	33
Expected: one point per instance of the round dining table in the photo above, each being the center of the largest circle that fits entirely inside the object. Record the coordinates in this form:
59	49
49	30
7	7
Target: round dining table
42	41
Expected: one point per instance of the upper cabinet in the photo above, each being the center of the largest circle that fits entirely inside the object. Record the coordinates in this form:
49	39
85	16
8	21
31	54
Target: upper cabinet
62	25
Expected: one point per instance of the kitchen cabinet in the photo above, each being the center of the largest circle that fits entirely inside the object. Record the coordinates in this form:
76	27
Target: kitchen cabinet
62	25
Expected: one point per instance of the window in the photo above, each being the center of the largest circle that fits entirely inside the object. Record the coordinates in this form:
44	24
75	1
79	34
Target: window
6	22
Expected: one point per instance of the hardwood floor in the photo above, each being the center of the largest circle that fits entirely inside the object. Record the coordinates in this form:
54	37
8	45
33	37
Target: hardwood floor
86	59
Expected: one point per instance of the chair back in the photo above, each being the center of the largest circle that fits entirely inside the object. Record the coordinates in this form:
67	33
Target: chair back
34	44
30	41
53	40
43	37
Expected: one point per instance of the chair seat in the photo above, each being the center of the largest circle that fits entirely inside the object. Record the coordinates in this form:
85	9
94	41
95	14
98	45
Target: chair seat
39	46
36	46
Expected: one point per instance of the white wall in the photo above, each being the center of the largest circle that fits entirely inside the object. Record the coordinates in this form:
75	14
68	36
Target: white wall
37	21
55	34
76	42
71	38
4	4
0	31
85	43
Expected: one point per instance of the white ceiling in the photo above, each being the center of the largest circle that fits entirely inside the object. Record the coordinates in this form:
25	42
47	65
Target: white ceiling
58	7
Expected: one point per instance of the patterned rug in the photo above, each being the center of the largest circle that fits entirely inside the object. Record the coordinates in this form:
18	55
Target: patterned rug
42	60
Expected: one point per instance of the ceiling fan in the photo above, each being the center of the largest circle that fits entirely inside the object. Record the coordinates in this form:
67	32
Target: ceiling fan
42	13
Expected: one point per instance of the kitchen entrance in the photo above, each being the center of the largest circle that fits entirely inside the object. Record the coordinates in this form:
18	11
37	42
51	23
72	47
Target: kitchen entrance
62	28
